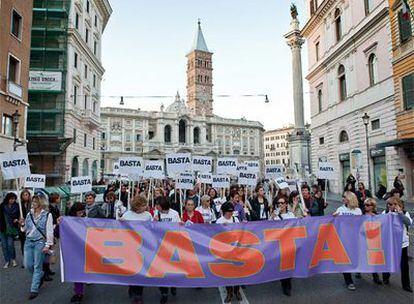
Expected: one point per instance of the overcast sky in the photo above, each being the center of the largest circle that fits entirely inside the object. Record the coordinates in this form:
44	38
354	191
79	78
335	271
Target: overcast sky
145	43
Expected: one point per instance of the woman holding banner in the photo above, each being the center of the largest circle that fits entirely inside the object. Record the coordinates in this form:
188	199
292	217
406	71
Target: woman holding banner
260	205
9	220
207	212
295	205
282	213
38	226
238	208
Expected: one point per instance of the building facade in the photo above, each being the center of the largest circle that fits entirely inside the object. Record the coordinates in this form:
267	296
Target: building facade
276	147
402	25
182	126
350	74
65	81
15	25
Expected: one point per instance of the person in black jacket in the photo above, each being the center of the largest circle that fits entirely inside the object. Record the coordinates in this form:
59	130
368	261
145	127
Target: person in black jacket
399	185
26	201
351	180
260	205
9	219
92	210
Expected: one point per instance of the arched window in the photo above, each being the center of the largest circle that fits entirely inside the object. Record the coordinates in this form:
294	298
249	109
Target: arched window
196	135
320	96
343	137
342	83
75	167
338	24
95	170
167	134
85	168
181	131
372	68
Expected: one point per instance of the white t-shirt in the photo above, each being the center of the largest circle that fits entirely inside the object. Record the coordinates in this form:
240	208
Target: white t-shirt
133	216
285	216
343	210
172	216
262	212
406	239
223	220
207	213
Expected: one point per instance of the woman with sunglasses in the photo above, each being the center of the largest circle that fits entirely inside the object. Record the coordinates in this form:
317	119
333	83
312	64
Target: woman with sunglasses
370	207
396	205
280	213
350	207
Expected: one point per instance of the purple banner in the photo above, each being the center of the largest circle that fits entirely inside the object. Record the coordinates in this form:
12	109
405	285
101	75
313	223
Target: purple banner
212	255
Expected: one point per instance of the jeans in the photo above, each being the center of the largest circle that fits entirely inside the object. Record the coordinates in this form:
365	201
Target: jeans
7	245
33	261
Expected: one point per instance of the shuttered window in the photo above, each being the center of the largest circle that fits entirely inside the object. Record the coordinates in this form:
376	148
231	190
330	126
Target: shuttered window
404	24
408	91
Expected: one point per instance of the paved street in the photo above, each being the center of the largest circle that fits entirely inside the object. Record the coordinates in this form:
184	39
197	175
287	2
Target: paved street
14	288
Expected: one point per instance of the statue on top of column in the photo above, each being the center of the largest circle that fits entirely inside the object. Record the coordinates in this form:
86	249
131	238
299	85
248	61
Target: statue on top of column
293	11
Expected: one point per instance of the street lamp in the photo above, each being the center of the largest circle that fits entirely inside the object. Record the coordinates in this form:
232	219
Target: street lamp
16	117
365	119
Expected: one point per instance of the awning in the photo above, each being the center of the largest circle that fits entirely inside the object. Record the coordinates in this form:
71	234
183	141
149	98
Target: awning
47	145
406	142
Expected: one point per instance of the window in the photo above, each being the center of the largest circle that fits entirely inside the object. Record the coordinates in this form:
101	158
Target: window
181	131
321	140
88	6
16	25
75	60
85	140
372	68
196	134
74	136
93	143
7	125
86	72
312	7
338	25
86	35
94	80
95	47
75	94
317	51
86	101
77	21
342	83
138	137
103	135
14	70
375	124
96	21
368	6
320	96
167	134
150	134
404	24
343	137
408	91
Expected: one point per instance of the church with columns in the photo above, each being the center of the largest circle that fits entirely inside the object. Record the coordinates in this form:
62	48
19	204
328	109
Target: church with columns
183	126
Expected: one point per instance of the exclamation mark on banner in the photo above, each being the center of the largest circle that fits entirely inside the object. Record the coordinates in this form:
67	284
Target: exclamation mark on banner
375	252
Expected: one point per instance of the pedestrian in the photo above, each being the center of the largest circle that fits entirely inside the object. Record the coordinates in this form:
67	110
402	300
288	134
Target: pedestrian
351	180
112	208
244	200
322	204
310	203
38	226
260	205
370	206
350	207
296	205
9	226
349	187
228	217
281	193
124	195
92	209
362	194
399	185
207	212
26	202
282	213
54	201
138	212
191	215
396	205
238	208
166	214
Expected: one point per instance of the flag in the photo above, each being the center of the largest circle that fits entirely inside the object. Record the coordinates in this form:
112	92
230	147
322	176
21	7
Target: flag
405	10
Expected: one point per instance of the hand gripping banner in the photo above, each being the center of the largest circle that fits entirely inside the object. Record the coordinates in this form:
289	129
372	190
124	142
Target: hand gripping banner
212	255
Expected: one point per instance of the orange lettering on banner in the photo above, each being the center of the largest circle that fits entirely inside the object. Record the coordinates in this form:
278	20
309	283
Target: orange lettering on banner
287	246
113	251
227	246
374	242
176	244
329	247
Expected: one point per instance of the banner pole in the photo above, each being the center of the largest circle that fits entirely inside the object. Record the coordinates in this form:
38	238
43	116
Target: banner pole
181	205
199	194
18	198
152	193
326	189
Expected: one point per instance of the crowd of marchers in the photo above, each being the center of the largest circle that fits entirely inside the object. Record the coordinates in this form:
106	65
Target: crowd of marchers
37	228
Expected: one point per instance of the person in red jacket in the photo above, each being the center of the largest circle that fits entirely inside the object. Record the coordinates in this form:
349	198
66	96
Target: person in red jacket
190	214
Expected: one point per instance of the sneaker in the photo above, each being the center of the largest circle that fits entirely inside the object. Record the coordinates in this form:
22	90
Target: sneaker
6	265
408	288
14	263
351	287
33	295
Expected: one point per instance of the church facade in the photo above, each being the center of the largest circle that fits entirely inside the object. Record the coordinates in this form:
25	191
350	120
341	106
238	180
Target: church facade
183	126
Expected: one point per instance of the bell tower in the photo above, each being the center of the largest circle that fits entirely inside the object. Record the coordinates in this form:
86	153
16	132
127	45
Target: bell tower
200	76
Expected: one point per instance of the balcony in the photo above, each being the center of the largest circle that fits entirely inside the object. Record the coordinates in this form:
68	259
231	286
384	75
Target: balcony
90	119
15	90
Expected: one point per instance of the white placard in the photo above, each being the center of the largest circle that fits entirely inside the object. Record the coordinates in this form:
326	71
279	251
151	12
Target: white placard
247	178
253	166
80	184
115	168
227	165
326	170
35	181
241	168
273	171
131	166
281	182
178	163
205	178
45	81
14	164
221	181
185	181
202	163
154	169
